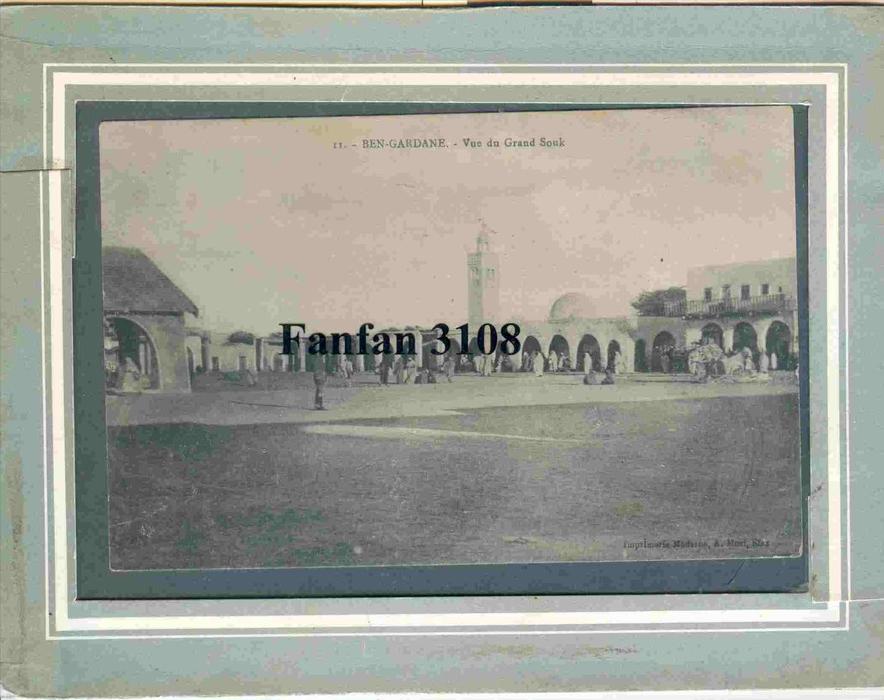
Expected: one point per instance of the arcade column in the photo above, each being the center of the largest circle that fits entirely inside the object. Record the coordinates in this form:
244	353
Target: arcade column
259	354
419	349
302	357
205	351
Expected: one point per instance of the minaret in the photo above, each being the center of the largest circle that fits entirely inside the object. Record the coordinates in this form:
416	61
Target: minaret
483	283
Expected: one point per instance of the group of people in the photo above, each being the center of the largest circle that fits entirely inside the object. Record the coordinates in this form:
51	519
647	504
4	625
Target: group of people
398	369
125	377
560	362
707	359
704	360
403	369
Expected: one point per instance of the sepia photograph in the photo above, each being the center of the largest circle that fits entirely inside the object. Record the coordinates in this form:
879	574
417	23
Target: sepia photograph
463	338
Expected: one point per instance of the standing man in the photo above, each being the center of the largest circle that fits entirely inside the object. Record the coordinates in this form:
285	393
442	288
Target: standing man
537	362
448	367
410	370
618	362
319	379
345	369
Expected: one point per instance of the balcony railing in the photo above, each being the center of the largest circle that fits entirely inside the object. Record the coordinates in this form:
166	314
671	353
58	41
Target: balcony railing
700	308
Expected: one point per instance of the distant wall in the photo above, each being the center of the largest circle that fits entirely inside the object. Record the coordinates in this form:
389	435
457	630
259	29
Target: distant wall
228	354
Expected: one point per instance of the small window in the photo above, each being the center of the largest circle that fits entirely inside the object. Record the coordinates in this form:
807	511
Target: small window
765	289
726	292
707	294
215	364
745	292
491	273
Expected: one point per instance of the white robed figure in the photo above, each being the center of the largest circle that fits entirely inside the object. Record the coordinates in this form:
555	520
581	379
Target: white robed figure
398	369
553	361
587	363
344	368
410	370
538	363
131	379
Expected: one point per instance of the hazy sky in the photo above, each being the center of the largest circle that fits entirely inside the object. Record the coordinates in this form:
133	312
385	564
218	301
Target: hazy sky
263	220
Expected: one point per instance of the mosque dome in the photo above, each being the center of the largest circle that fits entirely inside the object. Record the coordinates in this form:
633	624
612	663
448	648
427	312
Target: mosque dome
573	305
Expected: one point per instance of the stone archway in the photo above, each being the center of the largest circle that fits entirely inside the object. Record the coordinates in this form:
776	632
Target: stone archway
560	346
589	344
135	364
661	352
530	347
531	344
507	363
712	333
778	341
613	349
745	337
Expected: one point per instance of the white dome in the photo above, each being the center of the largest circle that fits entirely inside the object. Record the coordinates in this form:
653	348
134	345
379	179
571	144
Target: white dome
573	305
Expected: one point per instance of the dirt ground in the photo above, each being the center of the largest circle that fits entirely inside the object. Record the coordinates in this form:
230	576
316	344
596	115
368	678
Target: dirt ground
440	474
288	398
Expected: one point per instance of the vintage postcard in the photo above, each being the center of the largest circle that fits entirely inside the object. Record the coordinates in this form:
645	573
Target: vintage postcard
418	352
532	336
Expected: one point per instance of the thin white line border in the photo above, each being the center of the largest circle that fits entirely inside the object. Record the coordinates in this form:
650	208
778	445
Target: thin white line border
57	82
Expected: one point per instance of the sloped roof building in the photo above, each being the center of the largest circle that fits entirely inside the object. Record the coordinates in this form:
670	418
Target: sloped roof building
134	284
144	313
